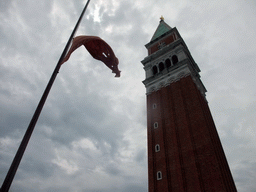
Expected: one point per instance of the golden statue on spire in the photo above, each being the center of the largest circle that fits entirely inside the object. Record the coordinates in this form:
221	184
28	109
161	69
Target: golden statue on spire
162	18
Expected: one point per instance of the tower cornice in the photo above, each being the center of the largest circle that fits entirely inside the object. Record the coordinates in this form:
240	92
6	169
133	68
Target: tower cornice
175	73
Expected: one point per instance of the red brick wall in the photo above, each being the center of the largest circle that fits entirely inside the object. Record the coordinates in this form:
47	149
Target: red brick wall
167	40
191	157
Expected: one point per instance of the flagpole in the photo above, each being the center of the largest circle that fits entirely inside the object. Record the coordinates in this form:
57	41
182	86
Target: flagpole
17	159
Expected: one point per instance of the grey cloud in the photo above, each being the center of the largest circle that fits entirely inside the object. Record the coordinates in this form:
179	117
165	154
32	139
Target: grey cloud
87	102
248	172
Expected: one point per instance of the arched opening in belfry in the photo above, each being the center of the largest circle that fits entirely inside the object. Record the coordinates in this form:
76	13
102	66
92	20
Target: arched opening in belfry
161	66
168	63
174	59
155	70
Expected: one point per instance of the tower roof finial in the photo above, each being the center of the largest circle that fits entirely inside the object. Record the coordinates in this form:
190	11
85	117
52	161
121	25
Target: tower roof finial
161	18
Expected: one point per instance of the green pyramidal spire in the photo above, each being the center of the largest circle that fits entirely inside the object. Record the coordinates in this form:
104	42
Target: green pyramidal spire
161	29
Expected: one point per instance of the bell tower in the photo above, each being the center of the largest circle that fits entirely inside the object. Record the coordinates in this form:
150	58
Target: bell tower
184	149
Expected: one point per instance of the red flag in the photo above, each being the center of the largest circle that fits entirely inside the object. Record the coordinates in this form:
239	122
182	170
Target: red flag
99	50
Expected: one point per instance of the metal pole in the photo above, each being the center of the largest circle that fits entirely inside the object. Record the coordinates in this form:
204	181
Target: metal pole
16	161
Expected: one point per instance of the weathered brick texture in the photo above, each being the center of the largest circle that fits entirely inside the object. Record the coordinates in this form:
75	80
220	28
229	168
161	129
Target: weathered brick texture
191	157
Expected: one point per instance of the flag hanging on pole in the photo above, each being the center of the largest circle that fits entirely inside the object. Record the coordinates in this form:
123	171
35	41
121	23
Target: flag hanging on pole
24	142
99	50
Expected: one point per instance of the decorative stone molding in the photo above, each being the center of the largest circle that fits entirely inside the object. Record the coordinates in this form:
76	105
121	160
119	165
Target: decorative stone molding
183	70
167	79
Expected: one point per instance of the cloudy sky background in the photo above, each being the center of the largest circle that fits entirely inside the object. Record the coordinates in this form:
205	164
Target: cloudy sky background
91	135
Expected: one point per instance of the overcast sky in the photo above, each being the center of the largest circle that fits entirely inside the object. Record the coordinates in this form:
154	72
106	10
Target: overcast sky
91	135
